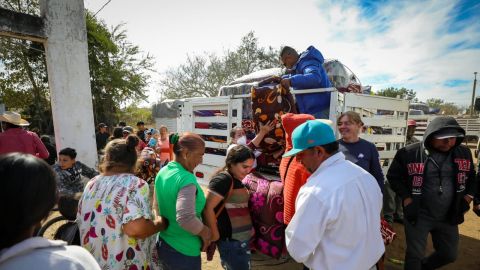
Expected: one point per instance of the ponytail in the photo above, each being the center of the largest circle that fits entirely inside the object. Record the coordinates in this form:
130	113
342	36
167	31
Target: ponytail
121	154
132	142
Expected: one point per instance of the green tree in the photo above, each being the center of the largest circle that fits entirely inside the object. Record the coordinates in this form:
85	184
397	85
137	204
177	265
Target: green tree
398	92
447	108
203	75
132	114
118	72
450	108
435	103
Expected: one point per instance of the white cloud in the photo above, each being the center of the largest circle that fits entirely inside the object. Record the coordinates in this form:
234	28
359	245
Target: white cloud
403	44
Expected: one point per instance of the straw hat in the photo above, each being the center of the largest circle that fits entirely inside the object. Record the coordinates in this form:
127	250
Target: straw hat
13	118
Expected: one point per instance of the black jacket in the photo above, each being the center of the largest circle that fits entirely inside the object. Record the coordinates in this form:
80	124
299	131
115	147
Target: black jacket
476	200
406	173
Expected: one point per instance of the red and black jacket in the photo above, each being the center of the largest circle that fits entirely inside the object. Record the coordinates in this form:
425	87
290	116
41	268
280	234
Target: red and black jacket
406	174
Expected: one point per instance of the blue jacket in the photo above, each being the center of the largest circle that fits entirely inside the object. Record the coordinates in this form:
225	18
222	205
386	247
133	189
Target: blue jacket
309	74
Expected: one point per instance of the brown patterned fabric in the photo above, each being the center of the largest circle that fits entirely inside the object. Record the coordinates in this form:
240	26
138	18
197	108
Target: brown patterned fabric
269	103
247	124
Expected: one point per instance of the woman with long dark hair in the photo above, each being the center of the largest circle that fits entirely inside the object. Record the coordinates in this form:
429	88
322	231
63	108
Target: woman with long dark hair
27	195
226	211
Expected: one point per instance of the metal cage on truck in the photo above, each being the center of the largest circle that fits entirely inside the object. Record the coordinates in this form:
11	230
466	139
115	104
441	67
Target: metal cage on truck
385	120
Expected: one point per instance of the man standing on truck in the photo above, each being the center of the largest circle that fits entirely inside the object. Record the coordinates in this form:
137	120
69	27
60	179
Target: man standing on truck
436	181
306	72
336	224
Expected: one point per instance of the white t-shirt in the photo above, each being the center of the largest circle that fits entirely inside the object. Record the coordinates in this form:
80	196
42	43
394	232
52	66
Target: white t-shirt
337	219
39	253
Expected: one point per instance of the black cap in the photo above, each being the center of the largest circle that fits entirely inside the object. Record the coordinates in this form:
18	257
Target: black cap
448	133
102	125
128	129
139	123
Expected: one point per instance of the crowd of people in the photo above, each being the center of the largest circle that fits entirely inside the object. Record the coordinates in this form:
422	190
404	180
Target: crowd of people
144	209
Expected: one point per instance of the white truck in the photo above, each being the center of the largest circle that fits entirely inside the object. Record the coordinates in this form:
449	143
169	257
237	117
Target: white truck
213	118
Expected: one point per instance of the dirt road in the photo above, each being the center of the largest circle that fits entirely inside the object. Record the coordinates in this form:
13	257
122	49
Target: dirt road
469	251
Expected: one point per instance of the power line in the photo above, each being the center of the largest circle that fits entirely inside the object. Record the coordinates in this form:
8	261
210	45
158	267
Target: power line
104	5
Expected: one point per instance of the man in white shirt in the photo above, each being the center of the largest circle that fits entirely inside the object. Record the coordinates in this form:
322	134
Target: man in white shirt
337	217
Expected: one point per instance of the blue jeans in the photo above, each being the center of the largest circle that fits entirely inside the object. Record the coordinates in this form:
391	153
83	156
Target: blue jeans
235	255
170	259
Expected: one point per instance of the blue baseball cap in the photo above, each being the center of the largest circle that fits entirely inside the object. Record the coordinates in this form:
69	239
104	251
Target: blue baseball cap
309	134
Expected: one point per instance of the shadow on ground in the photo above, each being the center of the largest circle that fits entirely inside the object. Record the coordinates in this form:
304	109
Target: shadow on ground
469	246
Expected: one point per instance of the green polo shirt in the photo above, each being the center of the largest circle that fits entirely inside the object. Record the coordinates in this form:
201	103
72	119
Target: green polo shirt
170	180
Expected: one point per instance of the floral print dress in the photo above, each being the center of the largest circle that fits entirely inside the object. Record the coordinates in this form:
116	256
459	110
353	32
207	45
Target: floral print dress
107	203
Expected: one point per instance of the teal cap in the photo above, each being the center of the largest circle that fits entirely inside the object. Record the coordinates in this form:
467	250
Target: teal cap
309	134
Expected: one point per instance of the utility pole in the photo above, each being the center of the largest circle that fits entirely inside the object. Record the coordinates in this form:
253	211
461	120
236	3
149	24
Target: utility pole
472	109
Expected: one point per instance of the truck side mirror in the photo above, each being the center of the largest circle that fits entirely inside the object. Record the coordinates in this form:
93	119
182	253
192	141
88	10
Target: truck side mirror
477	104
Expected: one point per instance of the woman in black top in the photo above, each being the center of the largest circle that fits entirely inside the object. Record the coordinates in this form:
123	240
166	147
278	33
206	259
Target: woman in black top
226	211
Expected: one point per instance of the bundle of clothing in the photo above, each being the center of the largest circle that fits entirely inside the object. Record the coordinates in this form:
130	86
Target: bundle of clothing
269	103
244	84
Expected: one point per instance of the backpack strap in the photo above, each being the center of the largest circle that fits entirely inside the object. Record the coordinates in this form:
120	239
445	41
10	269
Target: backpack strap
226	197
288	166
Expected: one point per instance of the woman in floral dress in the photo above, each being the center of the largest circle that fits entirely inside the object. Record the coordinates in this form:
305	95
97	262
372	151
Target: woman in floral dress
114	213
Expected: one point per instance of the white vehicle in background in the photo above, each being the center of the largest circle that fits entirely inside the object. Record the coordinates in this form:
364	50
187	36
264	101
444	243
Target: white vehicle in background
385	121
415	112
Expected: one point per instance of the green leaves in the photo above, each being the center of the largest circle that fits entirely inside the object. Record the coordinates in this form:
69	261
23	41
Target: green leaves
448	108
118	72
398	92
203	75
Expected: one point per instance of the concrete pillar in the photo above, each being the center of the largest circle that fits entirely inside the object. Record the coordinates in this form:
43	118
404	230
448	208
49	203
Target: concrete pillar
69	77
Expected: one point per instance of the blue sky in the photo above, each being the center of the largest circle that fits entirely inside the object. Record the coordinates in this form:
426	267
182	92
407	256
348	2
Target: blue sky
432	47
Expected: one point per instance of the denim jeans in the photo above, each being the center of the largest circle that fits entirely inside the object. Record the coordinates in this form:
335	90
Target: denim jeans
235	255
170	259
